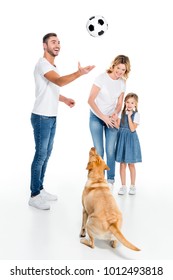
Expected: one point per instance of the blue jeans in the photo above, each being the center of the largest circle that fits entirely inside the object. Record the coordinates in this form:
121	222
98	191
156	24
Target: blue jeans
44	132
99	130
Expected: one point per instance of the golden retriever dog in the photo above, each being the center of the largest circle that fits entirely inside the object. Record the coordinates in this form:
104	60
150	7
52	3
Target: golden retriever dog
101	217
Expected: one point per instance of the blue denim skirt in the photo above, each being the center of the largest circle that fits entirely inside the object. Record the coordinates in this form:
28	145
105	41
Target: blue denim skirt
128	148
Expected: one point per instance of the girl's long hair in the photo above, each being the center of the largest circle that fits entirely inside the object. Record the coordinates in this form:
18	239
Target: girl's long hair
129	95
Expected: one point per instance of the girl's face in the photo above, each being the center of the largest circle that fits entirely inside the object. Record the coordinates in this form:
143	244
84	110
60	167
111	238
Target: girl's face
119	70
130	104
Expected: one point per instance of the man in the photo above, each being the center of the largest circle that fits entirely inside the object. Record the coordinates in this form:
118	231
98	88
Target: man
43	117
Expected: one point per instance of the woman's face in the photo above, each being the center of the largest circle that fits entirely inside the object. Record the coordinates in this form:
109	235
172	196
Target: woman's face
119	70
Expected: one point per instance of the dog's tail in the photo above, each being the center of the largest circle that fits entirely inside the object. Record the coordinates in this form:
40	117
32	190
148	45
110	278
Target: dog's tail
117	233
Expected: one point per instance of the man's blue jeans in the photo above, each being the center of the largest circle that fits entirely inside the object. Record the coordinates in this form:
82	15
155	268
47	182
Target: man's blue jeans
99	131
44	131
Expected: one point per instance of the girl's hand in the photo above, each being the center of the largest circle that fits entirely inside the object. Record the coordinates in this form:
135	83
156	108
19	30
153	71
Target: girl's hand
114	117
129	113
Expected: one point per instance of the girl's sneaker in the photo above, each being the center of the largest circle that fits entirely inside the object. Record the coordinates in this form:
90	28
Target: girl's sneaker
132	190
122	190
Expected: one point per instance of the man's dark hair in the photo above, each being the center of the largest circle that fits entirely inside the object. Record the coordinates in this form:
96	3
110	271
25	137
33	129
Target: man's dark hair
47	36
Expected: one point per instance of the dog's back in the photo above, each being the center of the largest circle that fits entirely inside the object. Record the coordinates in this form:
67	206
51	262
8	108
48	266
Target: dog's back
99	201
100	206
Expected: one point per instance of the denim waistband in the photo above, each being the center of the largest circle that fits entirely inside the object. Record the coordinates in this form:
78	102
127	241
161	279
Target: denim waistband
44	116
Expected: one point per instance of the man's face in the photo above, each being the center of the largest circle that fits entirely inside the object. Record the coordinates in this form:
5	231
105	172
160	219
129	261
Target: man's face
52	46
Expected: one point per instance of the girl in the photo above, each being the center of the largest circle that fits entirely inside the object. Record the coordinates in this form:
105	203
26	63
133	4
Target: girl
106	99
128	149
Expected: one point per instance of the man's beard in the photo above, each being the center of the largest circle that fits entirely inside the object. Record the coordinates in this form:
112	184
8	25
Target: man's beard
51	53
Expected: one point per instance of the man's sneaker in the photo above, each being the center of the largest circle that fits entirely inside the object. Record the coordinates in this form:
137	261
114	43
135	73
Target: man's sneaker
132	190
38	202
48	196
122	190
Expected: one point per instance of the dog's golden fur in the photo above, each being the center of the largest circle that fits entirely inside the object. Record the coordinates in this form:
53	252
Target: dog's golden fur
101	217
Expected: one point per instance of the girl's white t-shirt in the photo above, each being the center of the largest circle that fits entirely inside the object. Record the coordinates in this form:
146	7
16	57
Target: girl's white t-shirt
110	90
46	92
136	117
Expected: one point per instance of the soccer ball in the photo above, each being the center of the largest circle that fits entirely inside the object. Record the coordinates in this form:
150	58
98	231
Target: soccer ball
97	26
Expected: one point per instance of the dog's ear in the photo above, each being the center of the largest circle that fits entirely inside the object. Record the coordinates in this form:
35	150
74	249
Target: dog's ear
106	167
89	166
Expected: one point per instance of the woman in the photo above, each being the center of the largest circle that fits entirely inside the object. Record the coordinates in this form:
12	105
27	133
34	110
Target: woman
105	100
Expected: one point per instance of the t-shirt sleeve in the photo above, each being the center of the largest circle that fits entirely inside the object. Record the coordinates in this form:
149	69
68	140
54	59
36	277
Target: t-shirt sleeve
137	118
123	86
98	81
44	67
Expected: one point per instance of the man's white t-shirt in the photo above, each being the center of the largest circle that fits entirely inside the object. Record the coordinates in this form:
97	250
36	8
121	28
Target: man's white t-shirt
46	92
110	90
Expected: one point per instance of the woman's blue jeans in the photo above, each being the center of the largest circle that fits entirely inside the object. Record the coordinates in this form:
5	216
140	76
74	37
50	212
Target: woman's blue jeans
44	131
99	132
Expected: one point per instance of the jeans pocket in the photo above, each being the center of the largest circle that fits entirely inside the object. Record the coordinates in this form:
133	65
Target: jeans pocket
45	117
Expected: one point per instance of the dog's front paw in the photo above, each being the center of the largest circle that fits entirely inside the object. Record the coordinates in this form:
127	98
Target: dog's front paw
82	233
87	242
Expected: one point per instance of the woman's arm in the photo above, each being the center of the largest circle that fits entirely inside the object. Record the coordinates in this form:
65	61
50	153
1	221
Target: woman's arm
118	107
119	103
91	101
117	123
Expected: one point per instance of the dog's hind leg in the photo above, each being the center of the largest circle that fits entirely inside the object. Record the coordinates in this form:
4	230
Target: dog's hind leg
84	220
113	243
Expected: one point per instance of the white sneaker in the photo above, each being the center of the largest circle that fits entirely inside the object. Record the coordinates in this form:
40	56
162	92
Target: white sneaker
111	186
122	190
132	190
48	196
38	202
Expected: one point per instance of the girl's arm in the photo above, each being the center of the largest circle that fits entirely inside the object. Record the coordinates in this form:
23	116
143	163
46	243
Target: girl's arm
91	101
132	125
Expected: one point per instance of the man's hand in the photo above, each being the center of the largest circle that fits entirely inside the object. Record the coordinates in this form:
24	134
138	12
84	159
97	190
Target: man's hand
85	70
69	102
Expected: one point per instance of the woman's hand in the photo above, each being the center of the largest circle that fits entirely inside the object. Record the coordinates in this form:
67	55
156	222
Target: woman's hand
109	121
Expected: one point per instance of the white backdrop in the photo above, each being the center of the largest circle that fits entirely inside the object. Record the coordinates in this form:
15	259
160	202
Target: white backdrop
140	29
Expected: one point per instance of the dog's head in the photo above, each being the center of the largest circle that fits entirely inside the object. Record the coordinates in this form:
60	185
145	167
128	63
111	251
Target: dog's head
96	164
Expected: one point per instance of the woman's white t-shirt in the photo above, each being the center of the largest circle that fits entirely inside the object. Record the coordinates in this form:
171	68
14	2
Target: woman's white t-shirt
46	92
110	90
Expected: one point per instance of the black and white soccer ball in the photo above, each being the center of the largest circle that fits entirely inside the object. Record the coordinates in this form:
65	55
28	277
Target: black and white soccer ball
97	26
